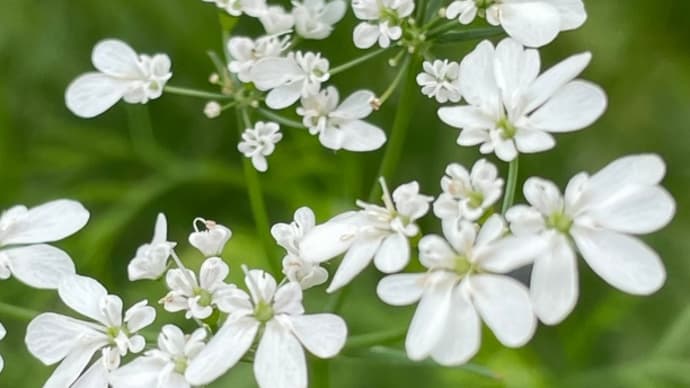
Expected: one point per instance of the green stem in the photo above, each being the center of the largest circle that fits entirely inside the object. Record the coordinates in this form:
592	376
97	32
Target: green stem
401	122
434	32
509	196
279	119
256	198
468	35
371	339
16	312
195	93
396	81
357	61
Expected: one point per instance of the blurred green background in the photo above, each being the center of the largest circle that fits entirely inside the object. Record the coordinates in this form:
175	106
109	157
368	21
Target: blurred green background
641	58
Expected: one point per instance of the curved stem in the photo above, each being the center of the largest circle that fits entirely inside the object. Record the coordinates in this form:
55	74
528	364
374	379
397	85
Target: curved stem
195	93
256	198
16	312
509	195
279	119
357	61
396	81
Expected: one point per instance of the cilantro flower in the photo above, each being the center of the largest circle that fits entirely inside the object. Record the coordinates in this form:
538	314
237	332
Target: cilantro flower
533	23
511	108
314	19
245	52
465	282
259	142
150	261
54	338
211	240
275	19
3	332
122	74
339	126
441	80
165	366
598	216
23	233
277	313
381	21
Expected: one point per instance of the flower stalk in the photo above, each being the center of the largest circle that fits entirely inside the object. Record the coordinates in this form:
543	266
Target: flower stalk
509	196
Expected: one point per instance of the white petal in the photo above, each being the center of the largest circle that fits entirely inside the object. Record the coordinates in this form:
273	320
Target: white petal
49	222
280	361
357	258
143	372
572	12
365	35
543	195
393	254
356	106
261	285
269	73
554	282
642	169
623	261
575	106
462	333
72	366
531	141
323	335
401	289
94	377
83	295
465	116
635	209
288	299
223	351
505	306
515	69
94	93
328	240
40	266
116	59
160	231
426	328
360	136
284	96
532	23
51	337
478	85
553	79
511	253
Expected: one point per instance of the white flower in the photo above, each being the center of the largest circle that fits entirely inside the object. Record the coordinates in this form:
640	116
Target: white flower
289	236
533	23
314	19
297	75
22	234
375	232
238	7
512	108
212	239
275	19
468	195
122	74
340	126
212	109
465	282
597	216
440	80
3	332
279	361
151	259
199	298
53	337
245	52
259	142
163	367
382	20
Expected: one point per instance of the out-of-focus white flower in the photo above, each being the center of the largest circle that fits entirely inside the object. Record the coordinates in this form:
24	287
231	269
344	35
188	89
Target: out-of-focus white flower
340	126
275	19
3	332
211	240
289	78
162	367
598	214
54	338
467	195
289	236
441	80
381	21
465	281
375	232
151	259
238	7
199	298
22	234
511	108
122	74
279	361
245	52
212	109
259	142
314	19
533	23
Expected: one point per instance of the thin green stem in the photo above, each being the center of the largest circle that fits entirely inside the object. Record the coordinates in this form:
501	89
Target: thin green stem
195	93
279	119
434	32
377	338
509	195
468	35
396	81
16	312
401	122
357	61
256	198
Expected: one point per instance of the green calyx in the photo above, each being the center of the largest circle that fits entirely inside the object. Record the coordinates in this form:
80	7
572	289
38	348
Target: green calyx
508	131
180	365
205	297
263	312
560	222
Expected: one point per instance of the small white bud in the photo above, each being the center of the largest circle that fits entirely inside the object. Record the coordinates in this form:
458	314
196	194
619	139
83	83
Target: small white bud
214	78
210	241
212	109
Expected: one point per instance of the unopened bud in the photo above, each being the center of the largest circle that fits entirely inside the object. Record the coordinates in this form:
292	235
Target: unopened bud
214	78
212	109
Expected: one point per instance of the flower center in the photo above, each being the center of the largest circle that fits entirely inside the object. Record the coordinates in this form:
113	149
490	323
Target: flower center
205	297
462	266
263	311
507	129
180	365
475	199
559	221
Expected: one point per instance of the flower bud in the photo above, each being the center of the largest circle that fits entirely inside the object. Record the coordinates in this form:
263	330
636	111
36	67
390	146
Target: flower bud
210	241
